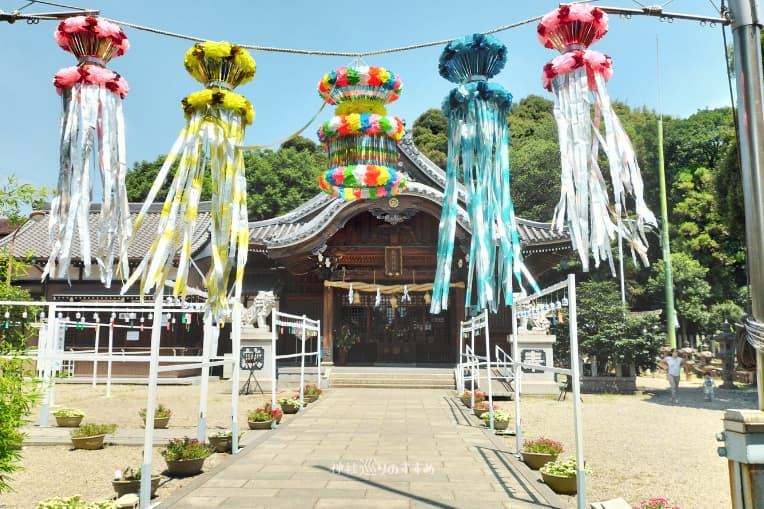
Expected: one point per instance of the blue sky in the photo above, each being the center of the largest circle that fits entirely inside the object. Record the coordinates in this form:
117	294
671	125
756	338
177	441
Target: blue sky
283	92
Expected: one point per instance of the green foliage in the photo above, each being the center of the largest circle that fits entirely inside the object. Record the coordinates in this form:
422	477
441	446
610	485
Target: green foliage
690	290
185	449
69	412
74	502
92	429
606	330
15	197
19	390
312	390
498	416
279	181
430	135
562	468
259	414
160	412
290	402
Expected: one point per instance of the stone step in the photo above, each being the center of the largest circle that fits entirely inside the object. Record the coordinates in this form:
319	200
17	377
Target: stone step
362	385
392	381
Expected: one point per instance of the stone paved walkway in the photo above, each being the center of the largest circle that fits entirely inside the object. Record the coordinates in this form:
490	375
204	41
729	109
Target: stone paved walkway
369	448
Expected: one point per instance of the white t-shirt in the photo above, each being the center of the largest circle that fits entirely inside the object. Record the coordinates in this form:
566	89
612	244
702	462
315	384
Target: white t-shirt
673	365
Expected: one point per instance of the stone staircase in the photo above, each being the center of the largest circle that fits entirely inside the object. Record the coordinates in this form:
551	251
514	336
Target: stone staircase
392	377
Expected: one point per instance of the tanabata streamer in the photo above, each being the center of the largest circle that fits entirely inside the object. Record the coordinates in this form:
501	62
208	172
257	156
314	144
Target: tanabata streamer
216	120
577	79
478	153
92	136
361	139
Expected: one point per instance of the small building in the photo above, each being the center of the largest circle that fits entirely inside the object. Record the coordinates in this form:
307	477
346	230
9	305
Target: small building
310	257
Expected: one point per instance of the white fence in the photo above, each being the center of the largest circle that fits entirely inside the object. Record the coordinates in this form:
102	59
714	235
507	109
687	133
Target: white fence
304	325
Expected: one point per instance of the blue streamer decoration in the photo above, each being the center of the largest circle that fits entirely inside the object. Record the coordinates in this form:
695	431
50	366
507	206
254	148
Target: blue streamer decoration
478	153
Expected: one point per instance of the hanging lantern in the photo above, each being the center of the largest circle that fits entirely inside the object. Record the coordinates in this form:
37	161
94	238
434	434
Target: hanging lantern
573	77
478	152
361	139
92	138
216	120
394	302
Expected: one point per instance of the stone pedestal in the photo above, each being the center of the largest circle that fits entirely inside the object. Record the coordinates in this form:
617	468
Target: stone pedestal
743	439
535	347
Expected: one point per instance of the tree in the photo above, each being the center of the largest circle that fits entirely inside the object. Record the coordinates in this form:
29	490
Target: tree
15	197
430	135
606	330
691	290
140	179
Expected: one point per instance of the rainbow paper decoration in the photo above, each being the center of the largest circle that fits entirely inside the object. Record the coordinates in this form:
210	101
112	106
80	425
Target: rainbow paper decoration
577	79
360	139
478	153
92	137
216	120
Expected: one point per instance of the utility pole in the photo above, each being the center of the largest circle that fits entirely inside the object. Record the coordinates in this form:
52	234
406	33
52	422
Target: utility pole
746	22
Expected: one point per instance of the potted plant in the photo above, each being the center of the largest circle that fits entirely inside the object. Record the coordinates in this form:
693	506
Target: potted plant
482	407
129	481
161	416
344	339
290	405
74	502
276	413
68	417
260	418
311	392
90	436
185	456
656	503
466	397
221	441
500	419
561	476
539	451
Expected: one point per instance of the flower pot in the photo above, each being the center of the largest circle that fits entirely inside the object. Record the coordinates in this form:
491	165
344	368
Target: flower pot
260	425
536	460
159	422
500	425
479	411
309	398
125	487
68	422
183	468
288	409
88	443
221	444
561	485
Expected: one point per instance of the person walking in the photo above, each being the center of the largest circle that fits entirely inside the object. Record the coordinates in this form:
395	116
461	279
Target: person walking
673	366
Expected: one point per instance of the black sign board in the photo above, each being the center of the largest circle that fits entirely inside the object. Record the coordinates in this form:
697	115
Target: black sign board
252	358
533	356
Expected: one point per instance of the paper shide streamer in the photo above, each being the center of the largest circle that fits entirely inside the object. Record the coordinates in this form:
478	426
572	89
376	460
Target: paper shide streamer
361	139
216	120
577	79
92	138
478	155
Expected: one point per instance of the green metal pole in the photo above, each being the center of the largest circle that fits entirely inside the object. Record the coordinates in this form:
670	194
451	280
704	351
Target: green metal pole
670	318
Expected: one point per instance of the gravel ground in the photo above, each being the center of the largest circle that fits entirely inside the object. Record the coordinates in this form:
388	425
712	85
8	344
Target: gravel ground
638	446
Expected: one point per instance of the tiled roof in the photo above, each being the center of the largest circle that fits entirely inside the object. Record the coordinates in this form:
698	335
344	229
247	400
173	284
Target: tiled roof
32	237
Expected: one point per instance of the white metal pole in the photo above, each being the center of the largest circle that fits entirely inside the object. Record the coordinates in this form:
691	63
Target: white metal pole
488	369
274	314
318	353
95	350
516	369
201	423
473	362
573	327
108	361
50	337
302	361
148	435
236	347
460	374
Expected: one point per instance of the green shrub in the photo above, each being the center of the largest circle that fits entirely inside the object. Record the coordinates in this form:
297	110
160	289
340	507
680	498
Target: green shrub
74	502
93	429
68	412
160	412
186	449
498	416
542	446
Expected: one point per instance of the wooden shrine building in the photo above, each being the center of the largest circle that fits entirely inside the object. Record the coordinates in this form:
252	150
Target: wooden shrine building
311	255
